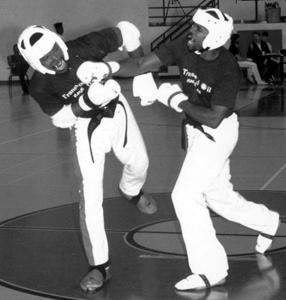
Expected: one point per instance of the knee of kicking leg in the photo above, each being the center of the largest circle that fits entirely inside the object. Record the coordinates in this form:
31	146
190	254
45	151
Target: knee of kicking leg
143	162
143	166
140	166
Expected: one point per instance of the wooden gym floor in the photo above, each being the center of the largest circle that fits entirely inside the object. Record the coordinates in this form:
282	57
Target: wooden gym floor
41	256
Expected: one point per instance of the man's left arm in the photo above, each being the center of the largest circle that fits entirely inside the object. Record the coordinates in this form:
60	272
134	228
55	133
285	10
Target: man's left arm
222	100
130	36
209	116
172	96
95	46
124	36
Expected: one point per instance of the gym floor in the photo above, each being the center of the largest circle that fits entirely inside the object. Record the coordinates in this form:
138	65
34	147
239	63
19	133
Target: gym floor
41	255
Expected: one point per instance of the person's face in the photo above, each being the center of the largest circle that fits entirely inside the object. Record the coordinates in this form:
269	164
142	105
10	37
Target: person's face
54	60
196	35
236	42
256	38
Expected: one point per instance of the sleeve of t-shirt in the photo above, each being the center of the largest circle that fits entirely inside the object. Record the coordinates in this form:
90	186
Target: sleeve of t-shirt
232	49
96	45
167	53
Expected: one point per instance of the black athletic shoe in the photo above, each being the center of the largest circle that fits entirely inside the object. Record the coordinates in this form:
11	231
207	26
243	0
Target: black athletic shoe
95	279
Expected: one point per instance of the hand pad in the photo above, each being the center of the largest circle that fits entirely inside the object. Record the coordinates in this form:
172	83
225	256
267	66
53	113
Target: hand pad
89	71
101	94
171	95
145	87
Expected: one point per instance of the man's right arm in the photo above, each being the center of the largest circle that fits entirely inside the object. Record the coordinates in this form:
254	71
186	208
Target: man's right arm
135	66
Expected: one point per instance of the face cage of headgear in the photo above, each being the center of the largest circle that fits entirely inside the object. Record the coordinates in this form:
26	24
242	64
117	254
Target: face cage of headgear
219	25
43	45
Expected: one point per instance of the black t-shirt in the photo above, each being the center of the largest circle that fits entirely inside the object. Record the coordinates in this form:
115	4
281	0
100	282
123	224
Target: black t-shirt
52	92
254	52
206	83
265	47
233	49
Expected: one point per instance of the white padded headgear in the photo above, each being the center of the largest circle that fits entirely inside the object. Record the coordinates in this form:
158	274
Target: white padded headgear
35	42
219	25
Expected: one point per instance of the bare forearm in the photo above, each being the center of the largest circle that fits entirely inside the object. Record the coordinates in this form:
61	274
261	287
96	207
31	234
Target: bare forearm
204	115
136	53
135	66
129	67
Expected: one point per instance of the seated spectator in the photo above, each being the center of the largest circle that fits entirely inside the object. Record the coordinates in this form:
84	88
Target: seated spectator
267	48
19	67
253	74
256	51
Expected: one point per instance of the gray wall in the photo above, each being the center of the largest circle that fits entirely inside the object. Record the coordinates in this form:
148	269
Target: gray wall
78	17
82	16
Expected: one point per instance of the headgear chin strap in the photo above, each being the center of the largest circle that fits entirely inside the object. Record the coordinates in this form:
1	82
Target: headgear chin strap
219	25
35	42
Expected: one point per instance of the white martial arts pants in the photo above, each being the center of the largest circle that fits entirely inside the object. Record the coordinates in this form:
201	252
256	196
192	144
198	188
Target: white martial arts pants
252	70
109	135
204	182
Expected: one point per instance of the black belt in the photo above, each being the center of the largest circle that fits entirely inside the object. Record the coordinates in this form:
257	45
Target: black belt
195	125
104	112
